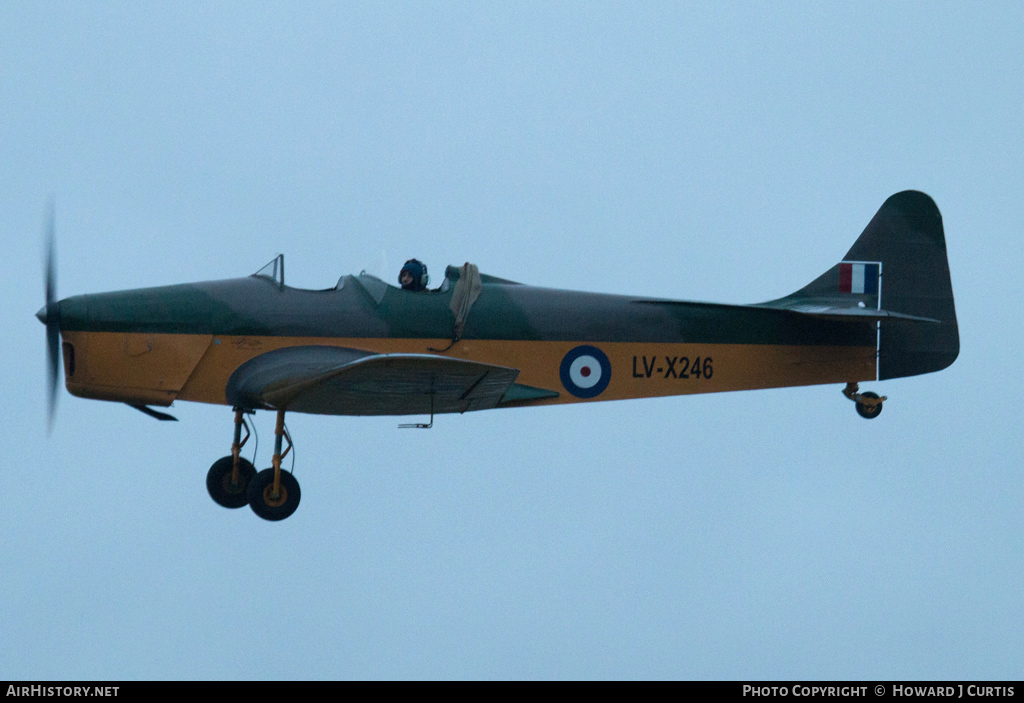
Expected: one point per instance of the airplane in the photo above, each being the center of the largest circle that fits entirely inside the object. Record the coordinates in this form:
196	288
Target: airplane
365	347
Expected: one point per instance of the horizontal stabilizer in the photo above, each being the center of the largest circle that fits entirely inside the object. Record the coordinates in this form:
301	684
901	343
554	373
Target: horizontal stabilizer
826	312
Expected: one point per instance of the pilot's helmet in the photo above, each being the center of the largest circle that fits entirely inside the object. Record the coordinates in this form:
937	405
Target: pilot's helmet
418	271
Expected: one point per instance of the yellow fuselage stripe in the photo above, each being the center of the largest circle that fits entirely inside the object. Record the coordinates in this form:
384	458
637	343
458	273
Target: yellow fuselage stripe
159	368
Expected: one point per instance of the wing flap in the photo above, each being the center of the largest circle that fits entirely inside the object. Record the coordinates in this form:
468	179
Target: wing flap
521	394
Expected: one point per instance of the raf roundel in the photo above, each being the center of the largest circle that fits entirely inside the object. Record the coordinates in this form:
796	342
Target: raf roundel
585	371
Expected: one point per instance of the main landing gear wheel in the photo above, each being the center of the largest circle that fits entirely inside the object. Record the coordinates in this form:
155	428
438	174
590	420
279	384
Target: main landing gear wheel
869	410
273	494
223	489
270	505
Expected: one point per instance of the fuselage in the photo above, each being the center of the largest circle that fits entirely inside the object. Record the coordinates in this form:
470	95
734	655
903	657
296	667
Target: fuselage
183	342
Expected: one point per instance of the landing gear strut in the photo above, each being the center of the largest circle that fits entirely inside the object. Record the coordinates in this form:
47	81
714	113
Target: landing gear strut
228	479
274	493
232	481
869	405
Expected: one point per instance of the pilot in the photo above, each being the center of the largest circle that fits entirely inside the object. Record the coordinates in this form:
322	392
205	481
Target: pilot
413	275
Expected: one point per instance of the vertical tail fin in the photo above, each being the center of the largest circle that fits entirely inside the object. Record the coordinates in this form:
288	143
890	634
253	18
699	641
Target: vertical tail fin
897	273
907	236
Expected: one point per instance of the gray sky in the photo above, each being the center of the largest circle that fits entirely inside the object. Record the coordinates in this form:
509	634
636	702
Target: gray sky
722	151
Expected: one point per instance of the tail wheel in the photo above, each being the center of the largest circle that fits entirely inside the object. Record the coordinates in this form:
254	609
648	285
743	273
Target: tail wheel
221	485
267	503
869	410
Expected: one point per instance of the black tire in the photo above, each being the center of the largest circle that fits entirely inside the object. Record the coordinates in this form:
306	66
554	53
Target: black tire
262	500
220	486
867	411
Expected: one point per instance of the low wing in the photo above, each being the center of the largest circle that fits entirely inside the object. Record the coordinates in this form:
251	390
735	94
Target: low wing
341	381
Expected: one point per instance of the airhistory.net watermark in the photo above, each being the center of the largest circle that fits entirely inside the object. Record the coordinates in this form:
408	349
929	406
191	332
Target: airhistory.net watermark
62	691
